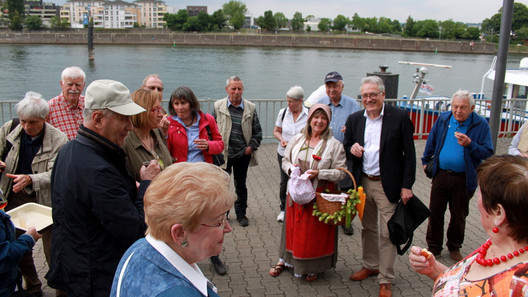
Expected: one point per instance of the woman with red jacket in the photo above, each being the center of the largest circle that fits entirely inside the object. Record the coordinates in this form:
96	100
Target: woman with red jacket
193	136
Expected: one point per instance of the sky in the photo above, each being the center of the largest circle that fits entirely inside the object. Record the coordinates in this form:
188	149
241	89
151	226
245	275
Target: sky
467	11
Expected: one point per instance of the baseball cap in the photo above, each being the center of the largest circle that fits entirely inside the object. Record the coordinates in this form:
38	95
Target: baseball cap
112	95
333	76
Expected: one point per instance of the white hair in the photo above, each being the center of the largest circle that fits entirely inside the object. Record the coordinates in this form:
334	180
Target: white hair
73	72
32	106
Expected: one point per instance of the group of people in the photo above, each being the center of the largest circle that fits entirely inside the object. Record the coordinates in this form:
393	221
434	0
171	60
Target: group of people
92	157
115	167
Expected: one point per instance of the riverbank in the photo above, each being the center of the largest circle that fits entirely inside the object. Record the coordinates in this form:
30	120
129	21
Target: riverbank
252	39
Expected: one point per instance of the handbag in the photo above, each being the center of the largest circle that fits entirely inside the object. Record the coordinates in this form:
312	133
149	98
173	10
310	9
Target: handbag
218	159
405	220
429	168
300	187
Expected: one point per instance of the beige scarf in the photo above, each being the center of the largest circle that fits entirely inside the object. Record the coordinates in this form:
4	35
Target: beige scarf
523	142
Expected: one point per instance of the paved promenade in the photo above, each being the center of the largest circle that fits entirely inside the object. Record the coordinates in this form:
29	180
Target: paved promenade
250	252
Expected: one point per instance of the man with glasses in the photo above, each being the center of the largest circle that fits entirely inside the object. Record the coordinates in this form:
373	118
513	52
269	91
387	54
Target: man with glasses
379	141
154	83
341	106
459	141
65	110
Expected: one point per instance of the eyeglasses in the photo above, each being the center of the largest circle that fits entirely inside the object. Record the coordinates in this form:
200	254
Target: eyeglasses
371	95
153	88
220	223
156	109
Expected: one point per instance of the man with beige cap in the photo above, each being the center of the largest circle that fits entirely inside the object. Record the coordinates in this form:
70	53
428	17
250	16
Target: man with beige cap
97	207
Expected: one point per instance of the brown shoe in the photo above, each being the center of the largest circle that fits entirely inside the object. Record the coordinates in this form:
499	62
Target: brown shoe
363	274
455	255
385	290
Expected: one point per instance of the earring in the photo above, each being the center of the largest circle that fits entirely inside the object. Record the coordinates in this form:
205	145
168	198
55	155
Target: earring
185	243
495	230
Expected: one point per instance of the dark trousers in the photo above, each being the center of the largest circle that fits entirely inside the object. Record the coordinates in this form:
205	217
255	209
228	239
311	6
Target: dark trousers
283	184
448	188
239	167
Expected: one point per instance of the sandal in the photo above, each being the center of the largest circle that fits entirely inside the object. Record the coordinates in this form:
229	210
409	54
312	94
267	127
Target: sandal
311	277
277	269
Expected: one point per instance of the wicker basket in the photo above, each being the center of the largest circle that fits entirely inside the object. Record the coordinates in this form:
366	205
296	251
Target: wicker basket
330	207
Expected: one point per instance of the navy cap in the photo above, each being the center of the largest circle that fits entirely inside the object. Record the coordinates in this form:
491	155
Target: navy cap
333	76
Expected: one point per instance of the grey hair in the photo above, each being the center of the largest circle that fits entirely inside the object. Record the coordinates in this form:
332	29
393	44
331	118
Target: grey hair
149	76
233	78
374	80
32	106
87	114
73	72
295	92
464	94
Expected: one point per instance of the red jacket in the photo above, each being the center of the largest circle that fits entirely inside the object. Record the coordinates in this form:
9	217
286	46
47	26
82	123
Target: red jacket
177	139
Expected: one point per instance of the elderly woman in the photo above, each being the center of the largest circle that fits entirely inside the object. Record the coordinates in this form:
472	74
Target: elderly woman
308	245
193	136
289	123
186	212
29	150
499	267
519	143
146	142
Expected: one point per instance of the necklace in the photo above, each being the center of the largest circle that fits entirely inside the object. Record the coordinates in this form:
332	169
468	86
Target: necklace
483	250
190	123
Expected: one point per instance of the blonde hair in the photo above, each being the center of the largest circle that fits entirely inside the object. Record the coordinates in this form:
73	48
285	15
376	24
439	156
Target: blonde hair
146	99
185	193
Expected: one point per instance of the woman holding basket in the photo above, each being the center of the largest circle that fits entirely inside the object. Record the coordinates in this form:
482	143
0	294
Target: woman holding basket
309	246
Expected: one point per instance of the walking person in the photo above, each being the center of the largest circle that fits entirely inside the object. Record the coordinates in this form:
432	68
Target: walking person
290	121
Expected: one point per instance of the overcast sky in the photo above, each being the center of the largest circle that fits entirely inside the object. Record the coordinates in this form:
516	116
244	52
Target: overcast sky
467	11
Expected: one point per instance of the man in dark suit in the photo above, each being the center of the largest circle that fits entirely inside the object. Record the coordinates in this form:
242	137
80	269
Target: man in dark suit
379	141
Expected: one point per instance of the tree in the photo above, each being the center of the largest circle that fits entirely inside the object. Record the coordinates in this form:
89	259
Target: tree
218	20
175	21
297	23
491	26
358	22
235	12
199	23
57	23
33	22
280	20
16	23
15	6
427	29
324	25
340	23
267	22
409	31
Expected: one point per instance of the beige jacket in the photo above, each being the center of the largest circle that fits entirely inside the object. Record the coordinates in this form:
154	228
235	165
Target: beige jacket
223	120
42	163
333	157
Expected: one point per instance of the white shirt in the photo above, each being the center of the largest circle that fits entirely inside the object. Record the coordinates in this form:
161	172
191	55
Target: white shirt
372	139
191	271
289	127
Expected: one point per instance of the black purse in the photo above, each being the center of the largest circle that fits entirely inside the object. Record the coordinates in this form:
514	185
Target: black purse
405	220
429	168
218	159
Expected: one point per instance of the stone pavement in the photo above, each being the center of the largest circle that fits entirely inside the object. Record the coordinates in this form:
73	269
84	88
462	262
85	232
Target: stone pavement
250	252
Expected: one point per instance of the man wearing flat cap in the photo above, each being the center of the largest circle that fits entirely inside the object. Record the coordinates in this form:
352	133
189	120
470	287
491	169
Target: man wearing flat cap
97	207
342	106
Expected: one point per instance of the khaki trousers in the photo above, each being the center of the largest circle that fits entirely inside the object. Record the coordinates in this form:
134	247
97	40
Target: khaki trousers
378	250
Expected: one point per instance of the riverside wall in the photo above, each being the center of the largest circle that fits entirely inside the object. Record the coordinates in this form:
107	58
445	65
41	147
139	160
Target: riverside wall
267	40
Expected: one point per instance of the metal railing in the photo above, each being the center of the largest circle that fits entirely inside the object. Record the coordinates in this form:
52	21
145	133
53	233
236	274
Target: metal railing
423	113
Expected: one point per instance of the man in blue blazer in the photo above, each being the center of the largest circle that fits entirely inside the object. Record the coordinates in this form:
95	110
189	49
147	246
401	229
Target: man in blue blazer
379	141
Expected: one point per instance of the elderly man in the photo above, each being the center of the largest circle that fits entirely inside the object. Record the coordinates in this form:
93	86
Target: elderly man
29	151
342	106
519	143
66	109
381	145
459	141
97	207
153	82
240	128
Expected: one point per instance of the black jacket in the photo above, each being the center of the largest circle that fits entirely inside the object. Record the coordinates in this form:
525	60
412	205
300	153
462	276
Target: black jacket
397	159
97	214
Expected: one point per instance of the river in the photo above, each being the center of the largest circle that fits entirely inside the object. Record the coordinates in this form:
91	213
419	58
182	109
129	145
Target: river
267	72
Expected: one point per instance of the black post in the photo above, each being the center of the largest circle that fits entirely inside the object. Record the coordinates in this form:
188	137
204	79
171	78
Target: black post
500	70
90	41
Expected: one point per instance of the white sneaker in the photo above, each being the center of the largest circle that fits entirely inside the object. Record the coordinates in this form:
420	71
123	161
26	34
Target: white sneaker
280	217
